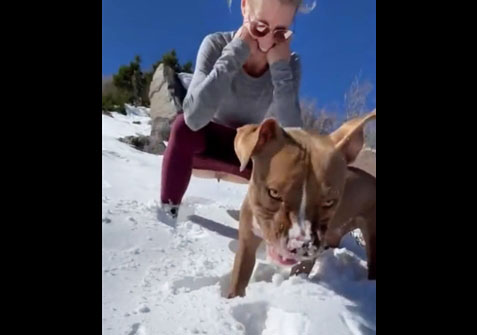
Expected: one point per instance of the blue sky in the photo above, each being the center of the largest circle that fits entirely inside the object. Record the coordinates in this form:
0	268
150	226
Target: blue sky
336	41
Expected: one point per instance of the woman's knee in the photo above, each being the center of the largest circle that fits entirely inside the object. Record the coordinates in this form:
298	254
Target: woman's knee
183	136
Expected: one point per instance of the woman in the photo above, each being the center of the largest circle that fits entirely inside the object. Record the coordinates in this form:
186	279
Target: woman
239	78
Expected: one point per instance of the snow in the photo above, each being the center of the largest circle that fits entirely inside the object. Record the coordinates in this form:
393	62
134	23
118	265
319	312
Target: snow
159	279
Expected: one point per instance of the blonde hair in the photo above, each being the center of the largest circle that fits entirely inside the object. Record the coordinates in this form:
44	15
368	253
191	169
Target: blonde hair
298	4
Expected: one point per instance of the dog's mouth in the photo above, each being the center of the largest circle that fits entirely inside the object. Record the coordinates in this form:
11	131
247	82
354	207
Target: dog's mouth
277	257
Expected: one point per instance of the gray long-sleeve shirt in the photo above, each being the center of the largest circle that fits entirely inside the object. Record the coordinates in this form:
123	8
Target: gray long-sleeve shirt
221	91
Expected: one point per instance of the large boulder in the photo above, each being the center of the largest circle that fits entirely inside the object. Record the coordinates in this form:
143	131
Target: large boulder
166	94
144	143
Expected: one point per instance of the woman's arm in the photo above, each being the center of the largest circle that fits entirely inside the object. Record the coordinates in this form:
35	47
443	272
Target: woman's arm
215	68
285	106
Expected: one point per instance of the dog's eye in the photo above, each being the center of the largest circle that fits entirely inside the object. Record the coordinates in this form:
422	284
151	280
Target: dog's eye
274	194
328	204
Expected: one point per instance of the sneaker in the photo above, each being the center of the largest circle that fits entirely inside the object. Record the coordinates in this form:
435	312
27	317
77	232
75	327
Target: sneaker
171	210
168	214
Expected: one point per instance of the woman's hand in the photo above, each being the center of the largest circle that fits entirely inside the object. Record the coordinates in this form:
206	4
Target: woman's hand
279	52
244	34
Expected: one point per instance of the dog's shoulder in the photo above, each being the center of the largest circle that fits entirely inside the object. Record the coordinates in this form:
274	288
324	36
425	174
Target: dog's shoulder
358	172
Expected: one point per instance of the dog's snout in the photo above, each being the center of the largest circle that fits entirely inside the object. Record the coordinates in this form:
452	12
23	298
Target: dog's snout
303	248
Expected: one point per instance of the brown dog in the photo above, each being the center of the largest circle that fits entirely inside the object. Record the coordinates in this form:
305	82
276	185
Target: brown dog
303	196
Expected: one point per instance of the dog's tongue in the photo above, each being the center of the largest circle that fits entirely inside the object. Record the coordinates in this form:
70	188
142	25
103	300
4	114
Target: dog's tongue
272	252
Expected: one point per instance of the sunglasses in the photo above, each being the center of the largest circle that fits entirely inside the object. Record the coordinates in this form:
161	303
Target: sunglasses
260	29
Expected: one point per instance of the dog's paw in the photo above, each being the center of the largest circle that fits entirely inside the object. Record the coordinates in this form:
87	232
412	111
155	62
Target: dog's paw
234	294
304	267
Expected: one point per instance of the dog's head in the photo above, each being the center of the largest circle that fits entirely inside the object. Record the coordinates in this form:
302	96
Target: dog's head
297	182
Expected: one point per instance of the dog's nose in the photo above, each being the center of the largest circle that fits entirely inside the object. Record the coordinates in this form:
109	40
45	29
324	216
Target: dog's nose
302	248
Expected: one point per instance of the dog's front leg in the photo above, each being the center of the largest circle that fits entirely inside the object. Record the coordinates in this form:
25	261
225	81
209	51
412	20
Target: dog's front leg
371	251
302	267
369	234
370	240
243	265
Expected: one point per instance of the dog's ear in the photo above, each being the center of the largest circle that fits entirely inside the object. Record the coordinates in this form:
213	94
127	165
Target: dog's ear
349	138
251	139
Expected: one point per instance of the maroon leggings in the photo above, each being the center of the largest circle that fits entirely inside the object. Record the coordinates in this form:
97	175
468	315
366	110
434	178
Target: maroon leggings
210	148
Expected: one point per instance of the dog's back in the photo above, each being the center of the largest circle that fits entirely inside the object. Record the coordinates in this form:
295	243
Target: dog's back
366	161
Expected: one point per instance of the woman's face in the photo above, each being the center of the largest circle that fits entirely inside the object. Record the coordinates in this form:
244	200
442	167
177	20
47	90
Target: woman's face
271	12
